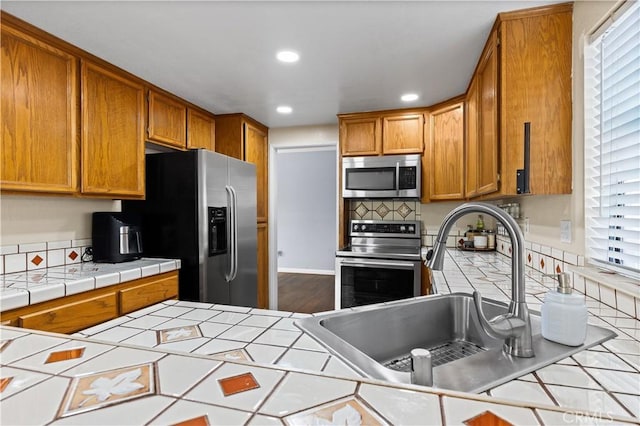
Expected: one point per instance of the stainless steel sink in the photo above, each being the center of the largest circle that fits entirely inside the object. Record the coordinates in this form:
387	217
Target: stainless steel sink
376	340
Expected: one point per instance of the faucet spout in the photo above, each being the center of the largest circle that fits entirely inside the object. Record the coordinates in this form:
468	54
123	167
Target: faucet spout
515	325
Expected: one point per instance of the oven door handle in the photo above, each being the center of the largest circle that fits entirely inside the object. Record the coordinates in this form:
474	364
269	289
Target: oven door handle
369	263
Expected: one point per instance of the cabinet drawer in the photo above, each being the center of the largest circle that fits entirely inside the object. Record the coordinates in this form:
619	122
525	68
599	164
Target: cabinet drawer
147	294
72	317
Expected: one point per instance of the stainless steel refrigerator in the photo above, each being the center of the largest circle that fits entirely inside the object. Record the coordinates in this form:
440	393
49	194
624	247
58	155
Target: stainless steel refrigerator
200	207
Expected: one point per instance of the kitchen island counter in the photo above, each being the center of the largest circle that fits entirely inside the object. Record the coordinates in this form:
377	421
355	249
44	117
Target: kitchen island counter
174	362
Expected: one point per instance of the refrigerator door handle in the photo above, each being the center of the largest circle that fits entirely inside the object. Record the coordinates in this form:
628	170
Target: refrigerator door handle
230	234
234	272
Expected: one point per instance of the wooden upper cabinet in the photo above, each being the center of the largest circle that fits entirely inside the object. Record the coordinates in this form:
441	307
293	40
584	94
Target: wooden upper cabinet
360	136
257	152
400	132
112	133
403	134
241	137
487	119
167	120
201	131
447	152
535	71
471	142
39	115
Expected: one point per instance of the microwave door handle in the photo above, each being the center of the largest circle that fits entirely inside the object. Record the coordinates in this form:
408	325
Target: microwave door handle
397	178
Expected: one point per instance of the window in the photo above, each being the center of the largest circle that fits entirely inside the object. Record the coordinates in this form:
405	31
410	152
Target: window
612	142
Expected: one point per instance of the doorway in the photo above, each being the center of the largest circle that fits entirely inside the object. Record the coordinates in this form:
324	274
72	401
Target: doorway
304	205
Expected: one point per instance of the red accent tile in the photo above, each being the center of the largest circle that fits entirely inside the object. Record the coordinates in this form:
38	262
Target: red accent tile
196	421
542	263
4	382
237	384
509	249
37	260
487	419
529	258
64	355
73	255
558	269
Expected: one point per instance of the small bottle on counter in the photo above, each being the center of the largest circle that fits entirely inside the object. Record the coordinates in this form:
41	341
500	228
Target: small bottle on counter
564	315
480	223
491	239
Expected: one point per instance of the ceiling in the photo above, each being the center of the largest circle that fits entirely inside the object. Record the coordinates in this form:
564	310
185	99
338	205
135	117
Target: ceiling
354	56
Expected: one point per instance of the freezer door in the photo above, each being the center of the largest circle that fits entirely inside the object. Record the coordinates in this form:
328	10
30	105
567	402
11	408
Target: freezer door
244	285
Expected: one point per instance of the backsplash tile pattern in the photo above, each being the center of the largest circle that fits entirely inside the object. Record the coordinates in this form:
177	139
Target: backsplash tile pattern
549	260
35	256
384	209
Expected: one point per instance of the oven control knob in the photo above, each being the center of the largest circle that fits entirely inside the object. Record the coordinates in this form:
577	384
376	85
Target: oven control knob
402	228
363	227
355	227
411	228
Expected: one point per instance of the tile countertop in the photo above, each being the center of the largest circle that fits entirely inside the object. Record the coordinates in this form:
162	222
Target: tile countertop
178	361
30	287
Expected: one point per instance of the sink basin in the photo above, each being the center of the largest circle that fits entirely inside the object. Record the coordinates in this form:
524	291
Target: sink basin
376	340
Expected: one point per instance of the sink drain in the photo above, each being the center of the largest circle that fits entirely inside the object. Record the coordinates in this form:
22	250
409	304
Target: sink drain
440	355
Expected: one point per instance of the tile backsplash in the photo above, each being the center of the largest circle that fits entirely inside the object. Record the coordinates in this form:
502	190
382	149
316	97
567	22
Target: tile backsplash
34	256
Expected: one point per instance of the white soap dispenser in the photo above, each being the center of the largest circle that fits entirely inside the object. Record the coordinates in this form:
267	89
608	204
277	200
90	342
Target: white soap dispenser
564	315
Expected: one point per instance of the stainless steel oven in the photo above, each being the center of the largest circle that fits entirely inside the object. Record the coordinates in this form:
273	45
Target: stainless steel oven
381	263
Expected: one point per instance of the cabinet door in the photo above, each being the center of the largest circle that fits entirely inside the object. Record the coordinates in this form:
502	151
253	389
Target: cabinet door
167	120
39	116
360	136
447	153
112	134
263	266
71	317
148	293
403	134
256	152
201	131
471	143
488	119
536	73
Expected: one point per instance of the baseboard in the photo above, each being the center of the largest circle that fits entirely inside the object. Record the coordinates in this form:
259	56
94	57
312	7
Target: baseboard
307	271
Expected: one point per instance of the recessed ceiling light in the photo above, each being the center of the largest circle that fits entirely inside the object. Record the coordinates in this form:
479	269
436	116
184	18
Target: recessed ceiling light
287	56
283	109
409	97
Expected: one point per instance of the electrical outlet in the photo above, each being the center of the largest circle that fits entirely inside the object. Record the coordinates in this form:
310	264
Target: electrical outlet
565	231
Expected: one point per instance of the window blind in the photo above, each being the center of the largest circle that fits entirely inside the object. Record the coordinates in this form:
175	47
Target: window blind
612	144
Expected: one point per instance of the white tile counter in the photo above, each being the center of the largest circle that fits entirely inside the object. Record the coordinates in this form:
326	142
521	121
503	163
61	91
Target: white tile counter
213	364
26	288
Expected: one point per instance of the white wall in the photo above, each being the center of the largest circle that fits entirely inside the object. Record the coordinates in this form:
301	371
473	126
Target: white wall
34	219
306	205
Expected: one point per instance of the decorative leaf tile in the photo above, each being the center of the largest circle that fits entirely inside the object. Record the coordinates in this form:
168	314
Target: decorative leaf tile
234	355
404	210
93	391
345	412
361	210
178	333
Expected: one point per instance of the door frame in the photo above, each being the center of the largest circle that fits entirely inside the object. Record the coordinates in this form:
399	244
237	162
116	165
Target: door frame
274	149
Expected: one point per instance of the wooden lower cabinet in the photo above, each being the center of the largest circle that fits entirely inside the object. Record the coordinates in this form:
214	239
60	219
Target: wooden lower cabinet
79	311
71	317
134	298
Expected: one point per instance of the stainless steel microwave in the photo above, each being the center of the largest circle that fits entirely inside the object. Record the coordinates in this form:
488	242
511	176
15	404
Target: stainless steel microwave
388	176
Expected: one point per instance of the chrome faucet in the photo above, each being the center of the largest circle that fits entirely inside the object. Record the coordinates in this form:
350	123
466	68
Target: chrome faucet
515	325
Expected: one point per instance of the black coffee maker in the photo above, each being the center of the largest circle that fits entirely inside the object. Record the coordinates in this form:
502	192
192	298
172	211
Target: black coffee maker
116	237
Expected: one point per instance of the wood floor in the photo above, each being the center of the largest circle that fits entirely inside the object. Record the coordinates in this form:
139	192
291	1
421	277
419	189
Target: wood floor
305	293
